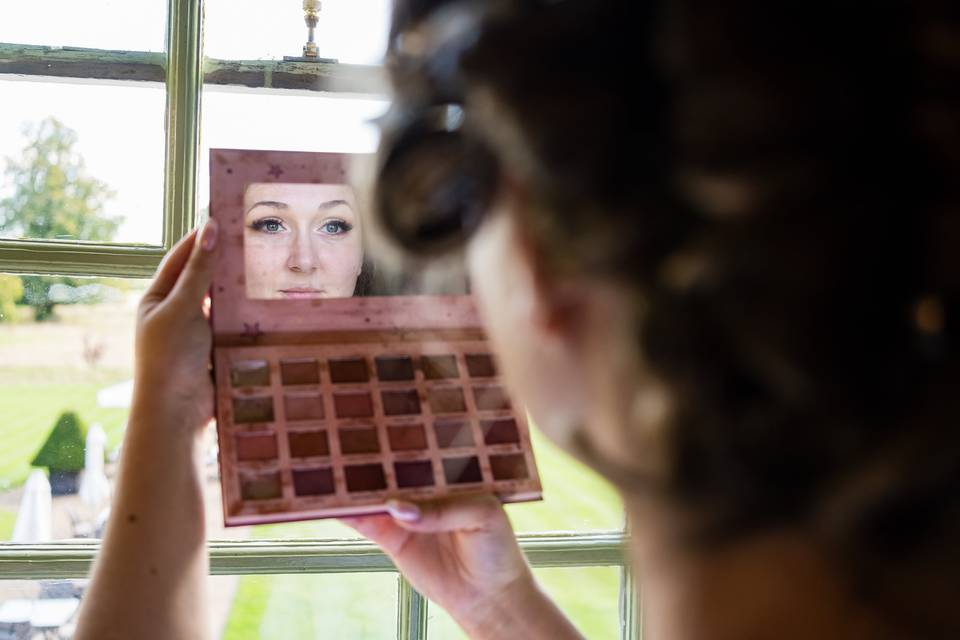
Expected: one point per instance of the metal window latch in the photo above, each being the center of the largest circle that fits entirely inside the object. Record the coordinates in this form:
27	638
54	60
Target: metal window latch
311	52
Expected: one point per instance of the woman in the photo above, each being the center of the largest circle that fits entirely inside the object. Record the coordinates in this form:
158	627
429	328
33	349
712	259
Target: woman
728	231
301	241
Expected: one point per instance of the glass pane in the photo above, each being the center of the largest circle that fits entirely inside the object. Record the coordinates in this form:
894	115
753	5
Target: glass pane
71	169
355	605
589	596
240	607
134	25
66	345
350	32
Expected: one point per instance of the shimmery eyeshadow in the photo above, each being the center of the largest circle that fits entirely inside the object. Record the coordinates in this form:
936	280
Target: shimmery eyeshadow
358	441
439	367
313	482
407	437
308	444
446	400
303	407
353	405
400	403
365	477
491	398
262	487
250	373
392	369
480	365
350	370
414	474
509	467
502	431
255	409
462	470
453	433
303	371
255	446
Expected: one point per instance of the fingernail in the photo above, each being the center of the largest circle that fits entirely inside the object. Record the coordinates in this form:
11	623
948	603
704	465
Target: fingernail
208	237
405	511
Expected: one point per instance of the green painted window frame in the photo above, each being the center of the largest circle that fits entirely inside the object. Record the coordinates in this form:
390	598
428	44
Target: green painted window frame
184	71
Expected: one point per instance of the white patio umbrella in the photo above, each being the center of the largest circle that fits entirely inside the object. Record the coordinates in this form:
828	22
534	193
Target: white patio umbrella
35	514
94	487
119	395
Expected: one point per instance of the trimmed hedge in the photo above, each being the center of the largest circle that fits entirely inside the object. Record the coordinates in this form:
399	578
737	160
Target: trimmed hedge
64	448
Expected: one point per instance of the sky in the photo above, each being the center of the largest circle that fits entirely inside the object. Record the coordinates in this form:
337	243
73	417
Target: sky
120	127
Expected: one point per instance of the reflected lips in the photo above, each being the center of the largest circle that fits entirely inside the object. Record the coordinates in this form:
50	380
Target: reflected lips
302	293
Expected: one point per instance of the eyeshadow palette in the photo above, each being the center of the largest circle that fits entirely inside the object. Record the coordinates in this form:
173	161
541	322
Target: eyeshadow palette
332	406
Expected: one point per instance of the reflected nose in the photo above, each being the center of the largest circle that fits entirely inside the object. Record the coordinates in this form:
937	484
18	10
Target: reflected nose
302	258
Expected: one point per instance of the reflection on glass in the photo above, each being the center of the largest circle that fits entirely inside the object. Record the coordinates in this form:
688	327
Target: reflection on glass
302	241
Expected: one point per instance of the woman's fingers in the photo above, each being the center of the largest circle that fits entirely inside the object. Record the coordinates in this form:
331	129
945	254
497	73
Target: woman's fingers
184	276
170	268
461	513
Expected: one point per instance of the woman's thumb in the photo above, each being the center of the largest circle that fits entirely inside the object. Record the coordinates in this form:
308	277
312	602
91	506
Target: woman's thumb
194	280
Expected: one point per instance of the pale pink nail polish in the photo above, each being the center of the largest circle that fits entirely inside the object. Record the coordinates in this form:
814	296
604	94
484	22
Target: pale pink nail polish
405	511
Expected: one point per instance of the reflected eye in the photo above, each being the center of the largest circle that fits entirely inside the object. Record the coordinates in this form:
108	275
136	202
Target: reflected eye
335	227
268	225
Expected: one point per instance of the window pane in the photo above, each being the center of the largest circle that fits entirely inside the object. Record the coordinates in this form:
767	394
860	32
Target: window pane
589	596
82	162
351	32
279	607
134	25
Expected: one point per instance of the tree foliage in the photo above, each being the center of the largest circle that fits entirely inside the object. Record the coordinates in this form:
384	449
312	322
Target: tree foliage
64	447
53	197
11	291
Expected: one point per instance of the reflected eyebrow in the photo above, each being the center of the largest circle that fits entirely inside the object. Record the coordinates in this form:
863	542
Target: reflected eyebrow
330	204
269	203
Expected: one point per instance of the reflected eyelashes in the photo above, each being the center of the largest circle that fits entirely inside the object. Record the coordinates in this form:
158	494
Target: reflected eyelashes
272	225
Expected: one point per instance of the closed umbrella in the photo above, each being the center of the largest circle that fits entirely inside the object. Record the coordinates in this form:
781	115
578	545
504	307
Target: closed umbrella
35	514
94	486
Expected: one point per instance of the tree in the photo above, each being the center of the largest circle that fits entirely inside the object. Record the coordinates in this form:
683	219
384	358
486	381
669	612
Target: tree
63	453
53	197
11	291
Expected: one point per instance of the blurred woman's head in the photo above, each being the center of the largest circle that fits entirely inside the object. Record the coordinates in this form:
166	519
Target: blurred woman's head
302	241
722	264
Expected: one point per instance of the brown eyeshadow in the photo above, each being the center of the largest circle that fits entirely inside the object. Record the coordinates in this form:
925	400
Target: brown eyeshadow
502	431
414	474
462	470
365	477
349	370
262	487
250	373
491	398
400	403
480	365
303	407
358	441
391	369
299	371
439	367
407	438
353	405
307	444
453	433
509	467
313	482
446	400
256	409
255	446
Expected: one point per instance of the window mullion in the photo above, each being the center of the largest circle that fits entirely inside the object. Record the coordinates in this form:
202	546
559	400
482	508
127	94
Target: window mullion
631	608
184	88
411	612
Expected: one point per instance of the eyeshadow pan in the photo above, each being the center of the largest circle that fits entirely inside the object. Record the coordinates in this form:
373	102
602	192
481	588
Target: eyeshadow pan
256	409
400	403
303	407
307	444
414	474
503	431
353	405
255	446
491	398
480	365
393	368
447	400
262	487
250	373
358	441
299	371
453	433
462	470
313	482
439	367
407	437
509	467
349	370
365	477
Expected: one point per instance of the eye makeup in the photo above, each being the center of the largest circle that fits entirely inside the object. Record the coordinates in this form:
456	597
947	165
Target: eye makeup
332	407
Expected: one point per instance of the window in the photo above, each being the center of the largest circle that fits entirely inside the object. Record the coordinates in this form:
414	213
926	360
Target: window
128	91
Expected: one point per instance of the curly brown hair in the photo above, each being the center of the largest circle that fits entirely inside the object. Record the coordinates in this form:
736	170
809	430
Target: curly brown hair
779	183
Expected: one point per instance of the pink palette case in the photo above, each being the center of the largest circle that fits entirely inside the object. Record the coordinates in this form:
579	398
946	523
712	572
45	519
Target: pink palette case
331	406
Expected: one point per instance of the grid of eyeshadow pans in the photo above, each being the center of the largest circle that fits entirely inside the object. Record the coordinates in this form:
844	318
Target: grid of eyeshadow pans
328	430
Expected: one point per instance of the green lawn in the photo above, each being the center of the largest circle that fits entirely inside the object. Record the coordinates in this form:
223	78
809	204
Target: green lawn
7	519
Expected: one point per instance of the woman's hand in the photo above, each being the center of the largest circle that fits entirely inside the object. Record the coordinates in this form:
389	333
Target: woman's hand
461	553
172	379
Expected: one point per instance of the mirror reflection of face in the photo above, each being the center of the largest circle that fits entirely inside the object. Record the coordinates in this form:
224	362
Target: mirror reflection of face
301	241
